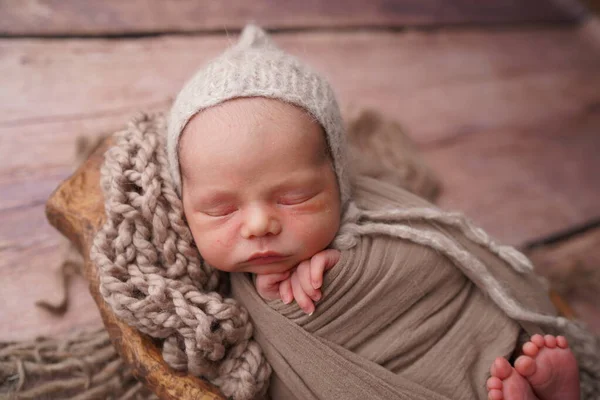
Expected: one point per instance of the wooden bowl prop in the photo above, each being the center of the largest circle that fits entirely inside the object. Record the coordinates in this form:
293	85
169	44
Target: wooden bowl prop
76	209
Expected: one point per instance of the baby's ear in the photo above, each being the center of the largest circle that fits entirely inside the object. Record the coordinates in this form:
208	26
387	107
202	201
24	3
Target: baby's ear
253	36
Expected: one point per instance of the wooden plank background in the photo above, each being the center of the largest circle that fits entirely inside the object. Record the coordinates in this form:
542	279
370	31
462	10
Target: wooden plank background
497	97
508	118
572	265
115	17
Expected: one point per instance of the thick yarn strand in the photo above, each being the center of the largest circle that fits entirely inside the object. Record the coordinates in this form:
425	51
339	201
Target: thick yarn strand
153	277
509	254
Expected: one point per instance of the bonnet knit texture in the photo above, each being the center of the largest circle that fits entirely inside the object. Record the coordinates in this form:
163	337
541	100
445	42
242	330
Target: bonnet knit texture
255	67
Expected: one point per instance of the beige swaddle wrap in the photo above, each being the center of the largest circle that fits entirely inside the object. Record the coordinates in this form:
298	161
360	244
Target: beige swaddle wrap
395	304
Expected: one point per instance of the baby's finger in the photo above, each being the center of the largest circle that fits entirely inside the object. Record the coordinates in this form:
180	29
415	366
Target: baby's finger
272	280
285	291
267	285
321	262
317	268
304	272
304	302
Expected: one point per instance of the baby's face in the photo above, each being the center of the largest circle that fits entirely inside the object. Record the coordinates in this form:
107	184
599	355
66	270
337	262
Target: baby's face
259	191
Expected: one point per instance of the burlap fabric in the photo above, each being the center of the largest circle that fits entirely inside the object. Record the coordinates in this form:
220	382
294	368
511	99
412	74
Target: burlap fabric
77	366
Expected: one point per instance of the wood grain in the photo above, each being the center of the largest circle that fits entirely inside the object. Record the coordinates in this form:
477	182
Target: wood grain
440	87
76	209
113	17
571	265
505	118
541	177
437	84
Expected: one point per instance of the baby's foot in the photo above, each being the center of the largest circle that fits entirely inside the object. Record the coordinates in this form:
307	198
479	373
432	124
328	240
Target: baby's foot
506	384
550	368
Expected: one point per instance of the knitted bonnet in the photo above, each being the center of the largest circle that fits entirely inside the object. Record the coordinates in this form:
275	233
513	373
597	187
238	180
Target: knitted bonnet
255	67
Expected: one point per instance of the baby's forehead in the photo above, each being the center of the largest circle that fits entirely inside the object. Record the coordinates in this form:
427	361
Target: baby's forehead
249	124
251	119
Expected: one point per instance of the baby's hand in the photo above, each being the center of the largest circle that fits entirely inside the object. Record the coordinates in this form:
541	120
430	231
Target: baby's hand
305	283
267	285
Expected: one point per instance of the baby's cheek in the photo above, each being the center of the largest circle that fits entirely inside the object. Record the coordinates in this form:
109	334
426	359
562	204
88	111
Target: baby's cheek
213	242
222	239
312	231
299	224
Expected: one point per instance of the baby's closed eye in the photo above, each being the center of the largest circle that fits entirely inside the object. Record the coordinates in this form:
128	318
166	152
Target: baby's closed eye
219	211
292	198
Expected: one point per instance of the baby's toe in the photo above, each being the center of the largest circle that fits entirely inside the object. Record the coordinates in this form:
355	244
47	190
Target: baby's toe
561	342
550	341
525	366
530	349
495	394
538	340
494	383
501	368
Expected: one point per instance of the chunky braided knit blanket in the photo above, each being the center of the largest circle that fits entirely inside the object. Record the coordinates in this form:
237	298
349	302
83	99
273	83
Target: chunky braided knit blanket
405	302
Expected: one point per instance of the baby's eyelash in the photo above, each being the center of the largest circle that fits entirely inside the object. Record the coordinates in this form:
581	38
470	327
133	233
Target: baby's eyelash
220	212
295	199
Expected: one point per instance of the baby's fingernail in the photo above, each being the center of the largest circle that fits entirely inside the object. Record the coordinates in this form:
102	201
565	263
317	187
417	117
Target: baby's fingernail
316	285
317	296
311	313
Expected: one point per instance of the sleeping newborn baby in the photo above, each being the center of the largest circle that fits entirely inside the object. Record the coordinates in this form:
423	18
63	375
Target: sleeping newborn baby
256	142
261	201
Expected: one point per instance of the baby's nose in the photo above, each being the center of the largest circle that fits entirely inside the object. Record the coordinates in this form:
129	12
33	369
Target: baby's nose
260	221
